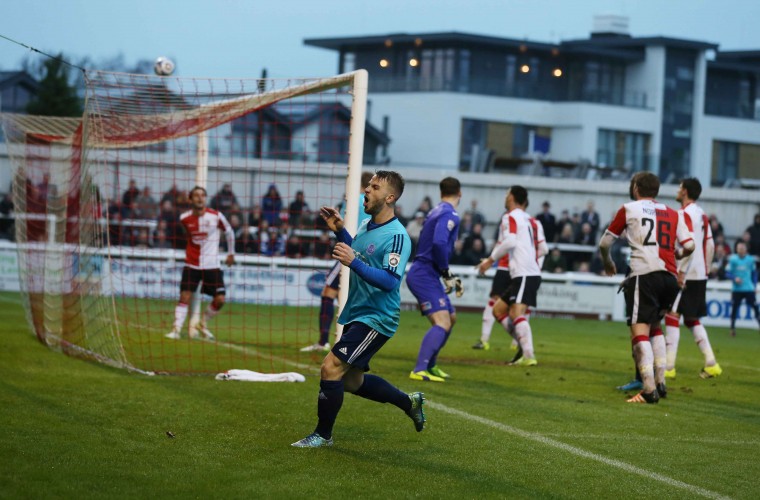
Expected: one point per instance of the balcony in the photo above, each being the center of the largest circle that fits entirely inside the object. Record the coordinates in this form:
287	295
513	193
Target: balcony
554	92
731	108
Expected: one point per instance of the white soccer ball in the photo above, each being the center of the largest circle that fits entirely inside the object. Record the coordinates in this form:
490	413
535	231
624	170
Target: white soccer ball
163	66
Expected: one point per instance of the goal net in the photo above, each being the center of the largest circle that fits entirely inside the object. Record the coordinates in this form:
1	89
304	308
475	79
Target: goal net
98	199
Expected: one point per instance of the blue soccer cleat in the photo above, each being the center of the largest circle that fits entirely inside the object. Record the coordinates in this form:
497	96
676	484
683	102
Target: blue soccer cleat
313	440
633	385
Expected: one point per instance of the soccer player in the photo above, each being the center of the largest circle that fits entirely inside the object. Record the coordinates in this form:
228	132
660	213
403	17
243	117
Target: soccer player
332	287
203	226
499	285
651	288
742	271
522	237
431	264
692	278
377	257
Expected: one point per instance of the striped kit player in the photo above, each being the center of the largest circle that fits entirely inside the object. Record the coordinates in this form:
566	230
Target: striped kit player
652	229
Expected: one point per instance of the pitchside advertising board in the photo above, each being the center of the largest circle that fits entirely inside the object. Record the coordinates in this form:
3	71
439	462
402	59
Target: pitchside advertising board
258	280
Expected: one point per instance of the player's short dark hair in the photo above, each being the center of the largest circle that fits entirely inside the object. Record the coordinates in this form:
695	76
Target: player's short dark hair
693	187
520	194
394	180
190	194
366	177
648	184
450	186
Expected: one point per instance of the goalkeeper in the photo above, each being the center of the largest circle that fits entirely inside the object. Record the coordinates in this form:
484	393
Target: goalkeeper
431	264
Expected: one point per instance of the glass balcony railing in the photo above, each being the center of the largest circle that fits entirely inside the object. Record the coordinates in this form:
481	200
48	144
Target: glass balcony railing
732	108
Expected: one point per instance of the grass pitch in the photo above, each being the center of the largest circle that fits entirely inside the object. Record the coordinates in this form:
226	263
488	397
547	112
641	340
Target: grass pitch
70	428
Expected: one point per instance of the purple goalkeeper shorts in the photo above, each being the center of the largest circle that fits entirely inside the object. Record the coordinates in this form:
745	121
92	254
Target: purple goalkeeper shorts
425	284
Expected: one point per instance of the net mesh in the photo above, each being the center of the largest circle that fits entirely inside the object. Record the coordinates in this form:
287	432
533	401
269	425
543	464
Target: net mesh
98	199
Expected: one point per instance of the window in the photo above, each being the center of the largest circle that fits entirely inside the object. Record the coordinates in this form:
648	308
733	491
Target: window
622	150
726	158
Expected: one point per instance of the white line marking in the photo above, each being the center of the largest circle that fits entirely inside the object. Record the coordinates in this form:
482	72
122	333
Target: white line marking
578	451
602	437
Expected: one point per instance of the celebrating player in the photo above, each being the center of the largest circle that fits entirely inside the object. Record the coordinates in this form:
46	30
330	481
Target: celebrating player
436	243
692	277
651	288
332	287
377	258
522	237
742	271
203	226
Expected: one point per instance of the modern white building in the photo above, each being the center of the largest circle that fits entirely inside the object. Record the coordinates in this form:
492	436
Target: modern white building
600	107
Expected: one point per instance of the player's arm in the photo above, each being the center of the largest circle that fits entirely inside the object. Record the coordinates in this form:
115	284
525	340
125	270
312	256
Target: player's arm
685	235
444	235
230	236
384	279
613	232
508	242
335	222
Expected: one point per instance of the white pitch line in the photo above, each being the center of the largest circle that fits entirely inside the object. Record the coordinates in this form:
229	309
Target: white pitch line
602	437
578	451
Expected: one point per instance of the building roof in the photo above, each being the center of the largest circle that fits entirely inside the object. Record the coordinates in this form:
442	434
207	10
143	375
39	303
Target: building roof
9	78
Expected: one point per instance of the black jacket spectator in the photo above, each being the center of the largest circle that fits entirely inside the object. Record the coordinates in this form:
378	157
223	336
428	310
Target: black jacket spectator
549	221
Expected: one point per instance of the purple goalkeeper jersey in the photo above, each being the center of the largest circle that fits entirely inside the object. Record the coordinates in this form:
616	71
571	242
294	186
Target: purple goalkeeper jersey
439	232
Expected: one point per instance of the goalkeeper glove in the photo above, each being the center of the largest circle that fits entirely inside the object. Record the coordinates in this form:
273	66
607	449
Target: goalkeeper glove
452	282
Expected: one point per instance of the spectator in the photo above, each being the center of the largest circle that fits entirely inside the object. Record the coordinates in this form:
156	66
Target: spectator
719	263
173	195
477	251
245	240
297	208
6	217
563	220
141	239
160	236
549	221
272	242
475	235
46	190
465	225
566	234
296	247
475	214
254	216
754	237
457	256
414	228
145	205
585	236
720	241
591	217
271	206
398	212
555	262
323	246
236	210
716	226
425	205
131	194
224	199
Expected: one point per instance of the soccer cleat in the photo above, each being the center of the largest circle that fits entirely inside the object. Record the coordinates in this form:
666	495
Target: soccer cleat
651	398
434	370
313	440
416	413
484	346
518	355
662	391
205	332
426	376
523	361
633	385
670	373
316	348
711	371
173	335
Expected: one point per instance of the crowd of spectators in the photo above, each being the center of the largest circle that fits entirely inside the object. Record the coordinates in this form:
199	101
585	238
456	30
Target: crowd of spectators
275	227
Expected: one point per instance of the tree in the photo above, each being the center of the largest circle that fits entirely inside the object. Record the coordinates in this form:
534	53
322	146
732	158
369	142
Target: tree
56	96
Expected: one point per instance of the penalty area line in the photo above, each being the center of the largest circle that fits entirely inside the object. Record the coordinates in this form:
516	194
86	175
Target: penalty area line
532	436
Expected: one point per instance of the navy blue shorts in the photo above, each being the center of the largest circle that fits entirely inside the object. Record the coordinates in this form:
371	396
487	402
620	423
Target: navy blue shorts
358	344
427	288
333	277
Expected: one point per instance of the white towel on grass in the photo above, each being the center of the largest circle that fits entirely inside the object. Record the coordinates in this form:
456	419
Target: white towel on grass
249	376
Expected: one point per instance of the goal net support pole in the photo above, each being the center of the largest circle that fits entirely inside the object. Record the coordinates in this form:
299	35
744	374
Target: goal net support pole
201	178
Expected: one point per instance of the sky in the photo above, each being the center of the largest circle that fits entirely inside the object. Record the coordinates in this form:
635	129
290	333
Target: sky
237	38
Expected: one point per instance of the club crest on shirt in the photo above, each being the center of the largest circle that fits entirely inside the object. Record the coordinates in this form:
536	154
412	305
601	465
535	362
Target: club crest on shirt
371	248
442	302
394	259
450	225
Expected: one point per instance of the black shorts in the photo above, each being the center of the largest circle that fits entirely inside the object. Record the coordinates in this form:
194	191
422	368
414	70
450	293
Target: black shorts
522	290
649	296
691	302
500	283
213	281
333	277
358	344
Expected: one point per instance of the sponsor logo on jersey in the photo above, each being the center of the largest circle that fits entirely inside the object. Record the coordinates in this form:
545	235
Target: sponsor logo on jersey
394	259
426	306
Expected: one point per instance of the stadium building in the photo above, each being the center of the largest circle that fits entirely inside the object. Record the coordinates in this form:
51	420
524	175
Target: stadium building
600	107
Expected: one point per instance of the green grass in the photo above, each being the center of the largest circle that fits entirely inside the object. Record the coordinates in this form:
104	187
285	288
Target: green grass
70	428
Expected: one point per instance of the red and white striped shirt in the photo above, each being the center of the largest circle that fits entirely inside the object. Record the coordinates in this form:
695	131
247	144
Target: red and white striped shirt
520	236
203	232
652	230
695	265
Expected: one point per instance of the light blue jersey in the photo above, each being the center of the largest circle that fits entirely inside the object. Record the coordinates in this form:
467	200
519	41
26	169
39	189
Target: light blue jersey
743	268
362	214
383	247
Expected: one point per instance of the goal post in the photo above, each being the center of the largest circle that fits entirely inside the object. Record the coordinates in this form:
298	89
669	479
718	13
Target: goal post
100	264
